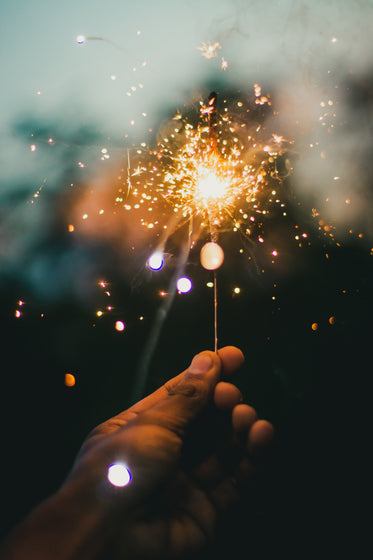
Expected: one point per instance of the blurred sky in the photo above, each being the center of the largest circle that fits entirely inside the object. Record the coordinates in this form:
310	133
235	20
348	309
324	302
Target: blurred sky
144	62
301	48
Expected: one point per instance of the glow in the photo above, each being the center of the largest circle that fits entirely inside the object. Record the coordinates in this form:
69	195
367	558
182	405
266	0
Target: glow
69	380
118	475
184	285
209	50
210	186
81	39
120	326
155	261
210	177
212	256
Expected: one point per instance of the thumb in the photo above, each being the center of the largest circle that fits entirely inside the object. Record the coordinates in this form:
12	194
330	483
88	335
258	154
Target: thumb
188	394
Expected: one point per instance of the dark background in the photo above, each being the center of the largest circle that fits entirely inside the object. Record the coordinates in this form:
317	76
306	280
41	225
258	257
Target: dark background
312	384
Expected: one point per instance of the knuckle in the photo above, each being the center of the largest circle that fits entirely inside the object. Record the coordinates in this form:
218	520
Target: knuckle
193	389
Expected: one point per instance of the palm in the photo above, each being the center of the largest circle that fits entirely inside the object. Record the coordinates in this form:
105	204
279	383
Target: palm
185	479
172	525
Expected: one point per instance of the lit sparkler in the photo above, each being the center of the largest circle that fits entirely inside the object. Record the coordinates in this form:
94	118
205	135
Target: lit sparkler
211	176
213	173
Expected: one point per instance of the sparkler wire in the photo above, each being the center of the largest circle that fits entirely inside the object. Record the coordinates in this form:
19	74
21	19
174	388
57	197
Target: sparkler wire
215	313
212	101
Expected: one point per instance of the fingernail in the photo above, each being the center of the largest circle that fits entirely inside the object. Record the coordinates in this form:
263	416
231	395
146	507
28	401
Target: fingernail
200	364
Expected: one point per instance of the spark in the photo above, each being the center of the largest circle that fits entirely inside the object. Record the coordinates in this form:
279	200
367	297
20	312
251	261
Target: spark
224	64
205	171
81	39
209	50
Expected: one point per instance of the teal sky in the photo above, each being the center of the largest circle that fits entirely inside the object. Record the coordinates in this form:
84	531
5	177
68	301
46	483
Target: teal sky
287	43
145	62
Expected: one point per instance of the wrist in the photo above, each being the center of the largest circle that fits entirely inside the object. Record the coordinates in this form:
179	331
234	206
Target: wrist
64	527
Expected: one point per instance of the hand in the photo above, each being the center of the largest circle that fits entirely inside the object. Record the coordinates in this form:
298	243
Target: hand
187	446
184	462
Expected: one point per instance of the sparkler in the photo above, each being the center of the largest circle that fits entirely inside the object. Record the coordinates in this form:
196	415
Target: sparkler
213	177
212	254
82	39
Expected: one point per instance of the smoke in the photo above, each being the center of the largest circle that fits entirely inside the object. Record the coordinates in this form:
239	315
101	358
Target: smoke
64	102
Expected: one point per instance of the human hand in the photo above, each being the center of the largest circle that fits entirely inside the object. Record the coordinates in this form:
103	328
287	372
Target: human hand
189	448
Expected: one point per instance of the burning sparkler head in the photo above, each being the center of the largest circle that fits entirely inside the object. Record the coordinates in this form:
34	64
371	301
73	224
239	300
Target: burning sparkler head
212	169
209	186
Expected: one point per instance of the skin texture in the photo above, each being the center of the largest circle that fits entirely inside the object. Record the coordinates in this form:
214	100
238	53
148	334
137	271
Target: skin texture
189	448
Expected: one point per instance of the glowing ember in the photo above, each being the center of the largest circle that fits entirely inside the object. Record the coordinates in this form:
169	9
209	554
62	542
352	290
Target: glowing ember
209	50
213	172
210	186
212	256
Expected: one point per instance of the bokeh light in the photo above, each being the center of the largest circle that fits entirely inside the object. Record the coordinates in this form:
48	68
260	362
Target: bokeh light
118	475
212	256
69	380
155	261
184	285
